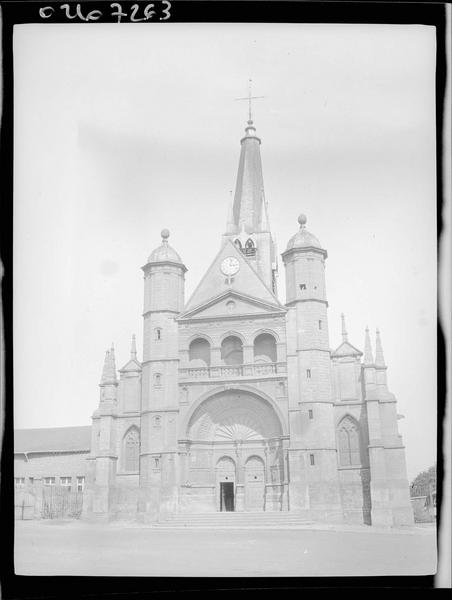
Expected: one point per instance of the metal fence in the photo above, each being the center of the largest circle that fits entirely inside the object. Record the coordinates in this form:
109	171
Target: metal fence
60	503
53	502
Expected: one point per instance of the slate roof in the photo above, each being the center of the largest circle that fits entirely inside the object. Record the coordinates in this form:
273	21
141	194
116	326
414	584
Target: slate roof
53	439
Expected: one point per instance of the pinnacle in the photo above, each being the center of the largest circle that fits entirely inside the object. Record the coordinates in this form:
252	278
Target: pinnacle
368	355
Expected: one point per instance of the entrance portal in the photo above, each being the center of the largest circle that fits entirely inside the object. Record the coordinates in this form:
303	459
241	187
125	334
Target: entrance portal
226	484
226	496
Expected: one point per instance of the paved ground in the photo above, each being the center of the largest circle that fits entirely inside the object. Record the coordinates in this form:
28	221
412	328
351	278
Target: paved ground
78	548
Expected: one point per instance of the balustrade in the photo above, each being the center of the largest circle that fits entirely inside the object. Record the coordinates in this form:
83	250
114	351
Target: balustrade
227	371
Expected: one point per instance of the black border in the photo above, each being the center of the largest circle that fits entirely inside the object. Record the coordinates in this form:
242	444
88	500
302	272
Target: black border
14	586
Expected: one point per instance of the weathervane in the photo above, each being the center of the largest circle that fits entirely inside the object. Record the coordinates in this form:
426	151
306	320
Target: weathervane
249	98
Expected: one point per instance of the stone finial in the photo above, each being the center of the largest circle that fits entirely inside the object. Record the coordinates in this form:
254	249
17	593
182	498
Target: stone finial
379	358
302	220
133	348
165	235
368	356
344	330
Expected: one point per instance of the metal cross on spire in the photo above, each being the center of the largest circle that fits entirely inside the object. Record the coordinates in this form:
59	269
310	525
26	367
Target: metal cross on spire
249	98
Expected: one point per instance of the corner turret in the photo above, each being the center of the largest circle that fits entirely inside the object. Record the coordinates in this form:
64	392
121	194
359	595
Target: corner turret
164	281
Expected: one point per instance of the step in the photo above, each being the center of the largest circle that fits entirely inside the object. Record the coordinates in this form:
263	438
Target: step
248	520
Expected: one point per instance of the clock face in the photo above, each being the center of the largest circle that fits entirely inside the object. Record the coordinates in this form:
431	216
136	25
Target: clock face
230	266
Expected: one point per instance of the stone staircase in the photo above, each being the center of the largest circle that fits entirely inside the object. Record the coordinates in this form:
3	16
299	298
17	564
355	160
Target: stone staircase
234	520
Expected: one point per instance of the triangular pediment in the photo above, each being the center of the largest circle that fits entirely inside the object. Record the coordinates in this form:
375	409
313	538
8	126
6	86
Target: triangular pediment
245	281
346	349
132	365
231	304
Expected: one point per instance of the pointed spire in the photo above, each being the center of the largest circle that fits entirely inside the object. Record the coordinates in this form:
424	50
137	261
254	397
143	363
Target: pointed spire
133	348
105	370
231	227
109	370
265	222
112	361
344	330
368	356
379	358
249	203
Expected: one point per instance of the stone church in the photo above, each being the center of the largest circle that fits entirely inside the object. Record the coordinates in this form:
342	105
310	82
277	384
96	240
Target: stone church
238	402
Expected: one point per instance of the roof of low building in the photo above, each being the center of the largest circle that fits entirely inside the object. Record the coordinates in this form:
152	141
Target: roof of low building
53	439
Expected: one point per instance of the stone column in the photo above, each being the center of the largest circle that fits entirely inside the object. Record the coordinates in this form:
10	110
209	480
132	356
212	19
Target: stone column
215	361
248	359
239	484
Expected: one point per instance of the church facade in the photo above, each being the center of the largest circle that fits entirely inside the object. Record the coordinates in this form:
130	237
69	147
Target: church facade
238	402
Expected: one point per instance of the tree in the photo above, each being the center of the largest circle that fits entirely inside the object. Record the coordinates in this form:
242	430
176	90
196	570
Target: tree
424	483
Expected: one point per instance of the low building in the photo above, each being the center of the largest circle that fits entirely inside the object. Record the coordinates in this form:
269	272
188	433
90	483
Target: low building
50	471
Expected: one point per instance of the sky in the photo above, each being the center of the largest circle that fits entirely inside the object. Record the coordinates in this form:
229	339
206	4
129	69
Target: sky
121	131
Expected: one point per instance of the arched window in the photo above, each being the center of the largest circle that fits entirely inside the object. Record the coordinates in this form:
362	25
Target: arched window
132	450
348	437
232	350
238	244
158	334
250	248
265	348
157	421
199	351
157	379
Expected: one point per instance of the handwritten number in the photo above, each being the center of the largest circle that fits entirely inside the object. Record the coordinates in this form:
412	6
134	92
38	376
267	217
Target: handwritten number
43	14
46	12
67	8
119	13
166	11
92	16
148	12
135	8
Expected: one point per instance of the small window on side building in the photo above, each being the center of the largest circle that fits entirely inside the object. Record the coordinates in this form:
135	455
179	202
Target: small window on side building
308	373
311	459
66	482
311	413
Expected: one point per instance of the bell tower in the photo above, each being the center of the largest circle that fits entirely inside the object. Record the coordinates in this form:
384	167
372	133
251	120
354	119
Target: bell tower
248	226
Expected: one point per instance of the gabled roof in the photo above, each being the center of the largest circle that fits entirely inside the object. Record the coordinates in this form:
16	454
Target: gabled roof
131	366
53	439
244	305
246	281
346	349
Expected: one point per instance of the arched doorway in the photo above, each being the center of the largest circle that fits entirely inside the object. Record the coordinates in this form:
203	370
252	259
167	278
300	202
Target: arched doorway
225	472
235	437
254	484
